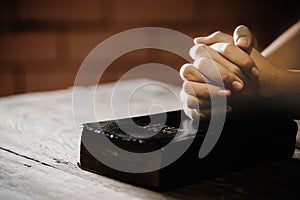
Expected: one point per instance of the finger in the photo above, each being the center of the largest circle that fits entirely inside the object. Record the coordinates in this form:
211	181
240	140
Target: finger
204	51
204	90
217	36
191	113
188	72
193	98
194	102
244	38
197	103
218	74
204	61
199	51
238	57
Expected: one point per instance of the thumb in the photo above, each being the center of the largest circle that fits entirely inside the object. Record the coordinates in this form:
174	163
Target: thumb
243	37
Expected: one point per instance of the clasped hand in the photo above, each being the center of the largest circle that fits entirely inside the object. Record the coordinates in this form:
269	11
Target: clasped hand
229	66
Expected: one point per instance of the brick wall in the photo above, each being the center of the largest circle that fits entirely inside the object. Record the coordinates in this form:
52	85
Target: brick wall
43	43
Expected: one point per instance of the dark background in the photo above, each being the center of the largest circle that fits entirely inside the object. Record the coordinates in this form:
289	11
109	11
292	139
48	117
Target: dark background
42	43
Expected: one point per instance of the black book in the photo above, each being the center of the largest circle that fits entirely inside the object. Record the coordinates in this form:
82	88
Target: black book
243	143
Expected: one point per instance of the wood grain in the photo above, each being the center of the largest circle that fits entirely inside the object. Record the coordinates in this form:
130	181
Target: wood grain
38	134
39	151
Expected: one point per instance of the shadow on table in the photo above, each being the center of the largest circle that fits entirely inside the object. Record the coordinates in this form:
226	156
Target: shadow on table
276	180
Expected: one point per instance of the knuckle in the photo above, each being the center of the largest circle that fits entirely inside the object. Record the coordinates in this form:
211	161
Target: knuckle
191	102
198	51
217	34
206	93
201	90
228	77
200	48
186	87
186	71
200	63
236	70
247	63
183	67
191	89
227	48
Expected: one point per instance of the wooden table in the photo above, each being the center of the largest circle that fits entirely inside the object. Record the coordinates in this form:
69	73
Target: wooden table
39	151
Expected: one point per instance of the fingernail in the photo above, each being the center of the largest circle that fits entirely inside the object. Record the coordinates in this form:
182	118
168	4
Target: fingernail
254	72
237	85
224	93
242	41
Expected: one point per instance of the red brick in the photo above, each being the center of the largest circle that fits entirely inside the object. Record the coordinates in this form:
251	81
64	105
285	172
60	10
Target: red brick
127	66
83	42
65	10
27	46
238	10
118	67
49	79
166	10
122	64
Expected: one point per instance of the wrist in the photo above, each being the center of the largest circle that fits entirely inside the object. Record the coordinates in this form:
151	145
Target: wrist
272	80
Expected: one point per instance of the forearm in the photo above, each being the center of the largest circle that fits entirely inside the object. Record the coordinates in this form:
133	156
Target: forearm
282	50
279	85
254	84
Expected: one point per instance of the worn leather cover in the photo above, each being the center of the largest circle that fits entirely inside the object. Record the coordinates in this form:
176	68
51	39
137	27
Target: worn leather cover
243	143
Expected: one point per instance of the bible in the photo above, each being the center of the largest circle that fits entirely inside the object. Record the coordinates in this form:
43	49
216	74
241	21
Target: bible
243	143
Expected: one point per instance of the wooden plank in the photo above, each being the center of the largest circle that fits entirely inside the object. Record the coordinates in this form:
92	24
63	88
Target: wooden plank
39	127
23	178
39	150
